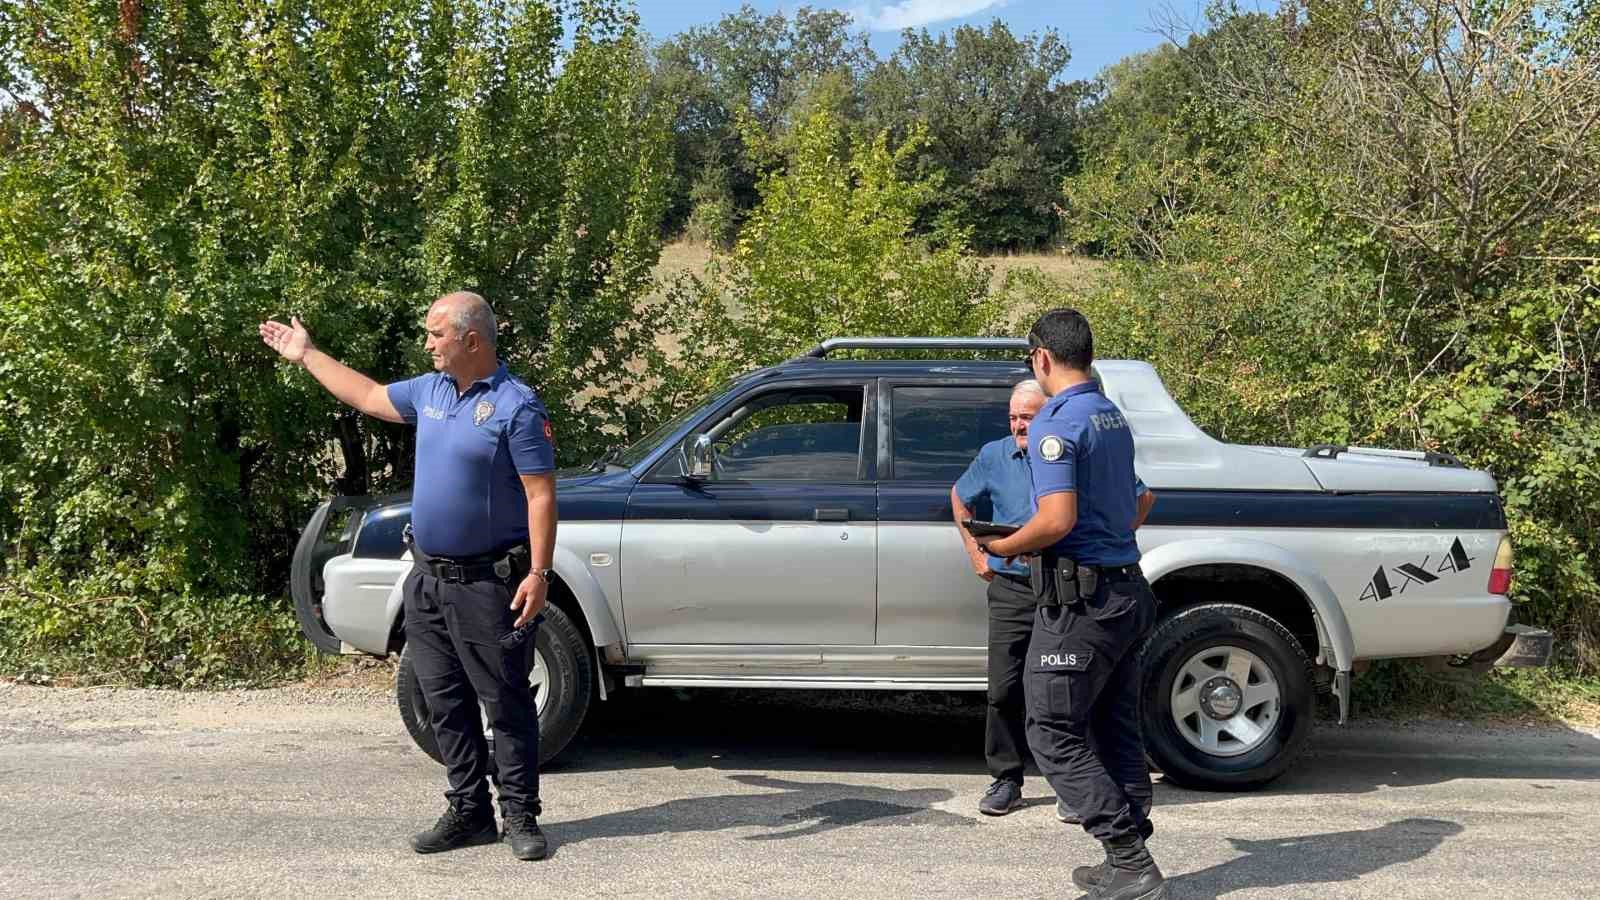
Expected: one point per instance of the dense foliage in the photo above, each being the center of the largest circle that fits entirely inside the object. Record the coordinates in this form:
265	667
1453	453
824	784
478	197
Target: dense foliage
1377	224
996	118
1363	221
185	168
831	250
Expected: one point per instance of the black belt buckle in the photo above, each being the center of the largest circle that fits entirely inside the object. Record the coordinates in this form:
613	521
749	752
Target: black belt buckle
451	573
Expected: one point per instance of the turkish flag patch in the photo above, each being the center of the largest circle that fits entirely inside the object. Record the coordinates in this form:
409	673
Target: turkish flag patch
549	433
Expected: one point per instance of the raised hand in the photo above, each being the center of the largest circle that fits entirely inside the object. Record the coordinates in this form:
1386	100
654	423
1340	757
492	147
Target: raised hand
291	341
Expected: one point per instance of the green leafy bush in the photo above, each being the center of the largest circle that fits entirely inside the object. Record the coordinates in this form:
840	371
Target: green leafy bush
829	251
1326	251
186	169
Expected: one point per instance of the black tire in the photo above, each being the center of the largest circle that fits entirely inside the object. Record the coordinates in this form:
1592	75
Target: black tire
1182	638
571	682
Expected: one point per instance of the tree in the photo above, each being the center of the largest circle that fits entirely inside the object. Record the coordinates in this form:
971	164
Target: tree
1455	128
1000	125
1381	228
194	166
750	65
1156	143
831	250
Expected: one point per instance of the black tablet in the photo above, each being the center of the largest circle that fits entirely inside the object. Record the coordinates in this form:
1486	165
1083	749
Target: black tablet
981	528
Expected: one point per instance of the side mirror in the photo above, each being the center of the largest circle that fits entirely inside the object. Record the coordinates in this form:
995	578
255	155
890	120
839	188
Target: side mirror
698	457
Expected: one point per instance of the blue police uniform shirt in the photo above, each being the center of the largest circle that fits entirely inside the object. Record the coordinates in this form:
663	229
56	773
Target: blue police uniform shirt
1000	474
1081	442
471	447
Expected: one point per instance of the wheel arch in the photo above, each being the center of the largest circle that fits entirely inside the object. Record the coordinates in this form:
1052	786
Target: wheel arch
594	612
1170	564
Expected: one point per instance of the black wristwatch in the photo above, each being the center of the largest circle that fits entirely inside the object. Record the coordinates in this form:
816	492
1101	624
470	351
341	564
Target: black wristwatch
547	576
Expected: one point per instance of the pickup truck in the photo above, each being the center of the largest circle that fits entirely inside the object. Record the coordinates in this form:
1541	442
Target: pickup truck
794	531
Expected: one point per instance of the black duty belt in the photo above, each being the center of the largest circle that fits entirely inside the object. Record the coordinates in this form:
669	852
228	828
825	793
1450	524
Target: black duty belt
1071	568
1058	581
462	570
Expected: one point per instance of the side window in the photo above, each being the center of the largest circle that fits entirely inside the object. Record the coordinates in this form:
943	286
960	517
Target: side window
938	430
810	434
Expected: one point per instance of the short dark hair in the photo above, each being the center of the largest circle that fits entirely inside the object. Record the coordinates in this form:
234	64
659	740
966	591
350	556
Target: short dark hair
1065	333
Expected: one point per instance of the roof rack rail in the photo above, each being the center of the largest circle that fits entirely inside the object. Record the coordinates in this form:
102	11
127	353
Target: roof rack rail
1332	451
822	350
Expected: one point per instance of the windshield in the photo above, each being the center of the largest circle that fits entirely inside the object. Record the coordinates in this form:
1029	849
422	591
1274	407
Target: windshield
638	450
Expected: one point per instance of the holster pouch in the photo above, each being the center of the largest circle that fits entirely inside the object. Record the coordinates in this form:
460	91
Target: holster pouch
1054	580
1040	580
1087	582
514	563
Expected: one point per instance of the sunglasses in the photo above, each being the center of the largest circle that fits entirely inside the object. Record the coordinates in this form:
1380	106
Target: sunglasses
1027	358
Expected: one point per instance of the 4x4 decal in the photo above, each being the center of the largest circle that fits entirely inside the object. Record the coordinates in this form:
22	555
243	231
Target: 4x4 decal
1381	588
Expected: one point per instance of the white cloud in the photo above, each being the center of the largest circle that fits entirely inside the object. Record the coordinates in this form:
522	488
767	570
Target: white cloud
917	13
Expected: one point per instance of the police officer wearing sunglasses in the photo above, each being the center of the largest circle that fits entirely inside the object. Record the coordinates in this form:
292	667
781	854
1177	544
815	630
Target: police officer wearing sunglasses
1095	607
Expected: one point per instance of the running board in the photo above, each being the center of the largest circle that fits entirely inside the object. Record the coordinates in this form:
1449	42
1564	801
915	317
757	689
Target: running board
809	682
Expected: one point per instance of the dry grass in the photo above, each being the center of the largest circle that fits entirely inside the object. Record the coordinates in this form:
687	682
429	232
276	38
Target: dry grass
1070	270
689	257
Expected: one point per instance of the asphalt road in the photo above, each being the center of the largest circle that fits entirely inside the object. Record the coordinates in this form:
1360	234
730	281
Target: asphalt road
759	794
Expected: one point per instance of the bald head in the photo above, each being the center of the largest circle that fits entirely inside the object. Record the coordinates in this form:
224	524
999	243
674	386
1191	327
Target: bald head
466	311
460	330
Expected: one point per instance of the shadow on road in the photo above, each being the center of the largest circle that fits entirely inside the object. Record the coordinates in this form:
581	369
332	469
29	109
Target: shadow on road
799	731
892	732
1337	856
790	809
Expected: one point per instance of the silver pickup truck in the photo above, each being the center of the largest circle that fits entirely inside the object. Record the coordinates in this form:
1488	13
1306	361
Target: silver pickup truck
794	531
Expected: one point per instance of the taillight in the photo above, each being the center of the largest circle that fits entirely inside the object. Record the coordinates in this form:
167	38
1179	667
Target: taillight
1500	575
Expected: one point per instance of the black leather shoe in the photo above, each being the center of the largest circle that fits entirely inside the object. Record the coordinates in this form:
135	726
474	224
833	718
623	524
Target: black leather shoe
456	830
525	838
1002	797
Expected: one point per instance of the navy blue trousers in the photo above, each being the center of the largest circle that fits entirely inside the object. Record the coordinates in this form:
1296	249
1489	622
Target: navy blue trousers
1083	704
454	632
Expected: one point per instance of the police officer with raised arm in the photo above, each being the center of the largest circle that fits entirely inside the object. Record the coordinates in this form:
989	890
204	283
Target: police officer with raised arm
1095	607
998	477
484	520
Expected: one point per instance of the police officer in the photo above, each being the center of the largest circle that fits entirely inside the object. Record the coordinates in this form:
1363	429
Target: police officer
1094	609
484	520
999	478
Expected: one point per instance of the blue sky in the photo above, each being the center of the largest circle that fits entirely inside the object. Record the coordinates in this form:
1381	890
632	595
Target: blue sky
1099	33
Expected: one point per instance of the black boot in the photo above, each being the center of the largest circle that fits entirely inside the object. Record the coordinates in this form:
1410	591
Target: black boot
1130	873
457	830
1086	877
525	838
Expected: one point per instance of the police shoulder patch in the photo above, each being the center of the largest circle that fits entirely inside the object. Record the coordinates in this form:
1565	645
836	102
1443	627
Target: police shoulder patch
1051	447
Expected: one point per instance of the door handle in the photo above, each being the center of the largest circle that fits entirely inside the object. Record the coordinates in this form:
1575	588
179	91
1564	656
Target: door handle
832	514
